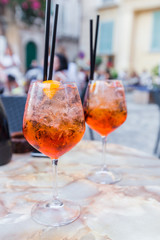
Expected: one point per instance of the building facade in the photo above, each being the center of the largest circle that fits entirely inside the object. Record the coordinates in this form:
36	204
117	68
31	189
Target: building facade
129	35
27	41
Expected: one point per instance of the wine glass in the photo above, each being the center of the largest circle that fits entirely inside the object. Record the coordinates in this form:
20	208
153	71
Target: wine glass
105	110
54	123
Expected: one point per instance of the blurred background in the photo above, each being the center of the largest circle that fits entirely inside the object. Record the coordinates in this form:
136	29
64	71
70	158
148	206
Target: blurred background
128	49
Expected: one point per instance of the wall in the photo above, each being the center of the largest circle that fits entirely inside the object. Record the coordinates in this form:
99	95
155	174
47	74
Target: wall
132	33
143	57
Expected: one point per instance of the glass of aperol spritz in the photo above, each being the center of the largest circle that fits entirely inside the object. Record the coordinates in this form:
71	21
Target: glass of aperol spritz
105	110
54	123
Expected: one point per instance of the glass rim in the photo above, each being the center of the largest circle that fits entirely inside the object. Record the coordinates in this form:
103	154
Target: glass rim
104	80
41	82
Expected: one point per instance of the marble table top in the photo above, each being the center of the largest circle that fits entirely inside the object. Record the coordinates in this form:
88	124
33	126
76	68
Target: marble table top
128	210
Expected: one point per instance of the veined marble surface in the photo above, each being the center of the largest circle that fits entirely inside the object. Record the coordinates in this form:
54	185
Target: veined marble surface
128	210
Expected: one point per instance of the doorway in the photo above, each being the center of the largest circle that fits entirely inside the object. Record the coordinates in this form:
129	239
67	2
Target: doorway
31	53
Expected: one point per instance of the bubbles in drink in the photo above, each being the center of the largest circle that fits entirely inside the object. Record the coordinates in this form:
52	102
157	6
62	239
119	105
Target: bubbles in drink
105	107
54	124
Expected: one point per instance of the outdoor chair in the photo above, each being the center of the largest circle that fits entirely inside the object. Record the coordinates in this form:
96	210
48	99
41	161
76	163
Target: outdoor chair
14	107
156	98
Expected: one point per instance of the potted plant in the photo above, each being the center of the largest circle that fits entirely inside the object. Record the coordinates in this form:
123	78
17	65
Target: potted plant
28	10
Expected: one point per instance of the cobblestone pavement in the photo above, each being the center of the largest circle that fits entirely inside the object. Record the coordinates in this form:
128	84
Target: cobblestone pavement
140	129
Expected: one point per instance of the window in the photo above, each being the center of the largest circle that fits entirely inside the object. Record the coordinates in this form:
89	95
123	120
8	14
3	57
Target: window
109	2
106	38
155	46
68	27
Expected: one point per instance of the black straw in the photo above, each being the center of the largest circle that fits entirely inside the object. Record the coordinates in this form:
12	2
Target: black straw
95	45
91	49
47	28
53	43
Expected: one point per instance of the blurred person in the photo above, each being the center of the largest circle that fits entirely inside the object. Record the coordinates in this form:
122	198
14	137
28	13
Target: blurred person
3	44
60	62
134	79
108	74
3	79
10	64
80	61
11	83
123	75
145	78
60	67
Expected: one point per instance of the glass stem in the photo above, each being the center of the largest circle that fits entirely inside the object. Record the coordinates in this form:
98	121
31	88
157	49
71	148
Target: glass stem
55	199
104	141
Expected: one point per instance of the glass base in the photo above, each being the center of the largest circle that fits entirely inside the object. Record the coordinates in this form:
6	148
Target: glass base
55	215
104	177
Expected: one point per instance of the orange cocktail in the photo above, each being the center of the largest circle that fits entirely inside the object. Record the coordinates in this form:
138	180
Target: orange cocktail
105	110
53	121
53	124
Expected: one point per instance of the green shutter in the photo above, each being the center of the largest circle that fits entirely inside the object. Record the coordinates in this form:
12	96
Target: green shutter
156	32
106	38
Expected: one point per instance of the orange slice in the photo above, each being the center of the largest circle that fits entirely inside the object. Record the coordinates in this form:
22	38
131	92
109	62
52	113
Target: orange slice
93	86
50	88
